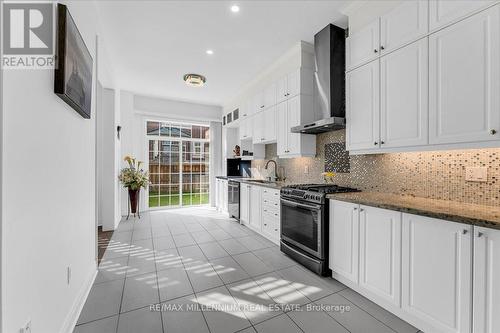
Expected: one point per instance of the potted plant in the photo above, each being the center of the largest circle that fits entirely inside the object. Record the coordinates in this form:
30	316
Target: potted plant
133	178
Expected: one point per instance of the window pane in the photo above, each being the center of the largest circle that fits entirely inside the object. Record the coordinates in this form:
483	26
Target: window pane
164	189
204	198
174	189
165	129
152	128
175	131
205	132
174	178
186	132
153	201
164	201
153	190
175	200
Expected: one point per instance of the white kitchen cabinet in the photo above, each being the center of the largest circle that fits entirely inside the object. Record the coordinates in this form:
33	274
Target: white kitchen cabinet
245	203
363	108
486	289
246	128
344	240
363	46
225	199
293	112
255	208
403	24
444	12
269	123
258	102
299	81
380	253
270	95
436	273
464	103
221	200
403	98
258	128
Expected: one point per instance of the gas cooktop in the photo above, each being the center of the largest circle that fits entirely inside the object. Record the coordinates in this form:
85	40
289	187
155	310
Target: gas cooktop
313	192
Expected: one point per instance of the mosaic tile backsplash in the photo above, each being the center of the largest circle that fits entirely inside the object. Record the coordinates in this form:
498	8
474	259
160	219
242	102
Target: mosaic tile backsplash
436	175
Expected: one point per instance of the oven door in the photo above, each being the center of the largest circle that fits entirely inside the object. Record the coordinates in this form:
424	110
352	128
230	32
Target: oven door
302	225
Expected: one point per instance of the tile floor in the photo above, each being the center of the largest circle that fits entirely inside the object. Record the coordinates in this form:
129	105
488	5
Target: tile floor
203	272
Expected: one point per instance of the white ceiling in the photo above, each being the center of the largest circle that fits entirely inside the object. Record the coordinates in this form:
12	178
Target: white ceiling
152	44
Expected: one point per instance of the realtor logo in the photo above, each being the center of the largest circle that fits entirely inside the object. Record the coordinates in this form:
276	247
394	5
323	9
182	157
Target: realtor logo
28	35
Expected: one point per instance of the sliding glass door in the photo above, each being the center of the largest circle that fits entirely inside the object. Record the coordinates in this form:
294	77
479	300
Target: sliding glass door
178	164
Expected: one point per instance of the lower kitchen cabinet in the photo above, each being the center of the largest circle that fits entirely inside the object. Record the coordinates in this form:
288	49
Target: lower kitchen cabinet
486	287
344	240
245	203
380	253
436	275
255	220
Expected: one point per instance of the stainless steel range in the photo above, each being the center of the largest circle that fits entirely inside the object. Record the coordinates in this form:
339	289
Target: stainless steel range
304	224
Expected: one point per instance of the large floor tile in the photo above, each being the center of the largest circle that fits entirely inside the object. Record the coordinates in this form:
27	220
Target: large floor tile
160	231
219	234
183	240
106	325
252	243
124	237
279	324
103	301
142	320
274	258
233	247
163	243
253	300
376	311
141	234
191	253
227	319
308	283
166	259
141	264
355	320
183	316
316	321
281	290
112	269
228	270
202	237
213	250
140	291
252	264
173	283
203	276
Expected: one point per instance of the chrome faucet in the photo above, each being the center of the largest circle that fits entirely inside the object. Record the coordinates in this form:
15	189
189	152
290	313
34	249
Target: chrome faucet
275	170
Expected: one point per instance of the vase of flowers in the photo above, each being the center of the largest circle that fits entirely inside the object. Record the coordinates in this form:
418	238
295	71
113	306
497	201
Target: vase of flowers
133	178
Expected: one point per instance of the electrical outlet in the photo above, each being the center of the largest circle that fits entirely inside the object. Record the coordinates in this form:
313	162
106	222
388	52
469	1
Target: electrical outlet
26	328
306	170
476	174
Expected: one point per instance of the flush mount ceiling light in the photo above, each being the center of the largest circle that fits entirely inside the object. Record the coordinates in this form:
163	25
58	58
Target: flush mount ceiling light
195	80
235	8
210	52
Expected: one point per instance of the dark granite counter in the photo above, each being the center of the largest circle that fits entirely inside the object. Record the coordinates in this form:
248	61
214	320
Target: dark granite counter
273	185
480	215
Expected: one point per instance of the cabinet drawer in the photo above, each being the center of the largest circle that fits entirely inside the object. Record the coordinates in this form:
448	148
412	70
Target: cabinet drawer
271	210
271	195
271	225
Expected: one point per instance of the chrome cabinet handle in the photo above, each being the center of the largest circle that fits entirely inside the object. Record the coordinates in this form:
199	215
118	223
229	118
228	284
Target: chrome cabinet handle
382	47
375	51
382	142
480	234
361	210
355	208
465	231
375	143
493	131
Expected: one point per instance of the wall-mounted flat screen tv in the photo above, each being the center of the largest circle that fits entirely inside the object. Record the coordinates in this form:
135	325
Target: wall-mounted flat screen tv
73	73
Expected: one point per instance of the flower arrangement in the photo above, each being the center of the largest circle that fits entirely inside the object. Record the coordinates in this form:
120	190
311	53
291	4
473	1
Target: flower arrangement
328	176
133	177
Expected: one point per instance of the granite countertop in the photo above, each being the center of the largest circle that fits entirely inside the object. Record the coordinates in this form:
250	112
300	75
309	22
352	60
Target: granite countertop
273	185
480	215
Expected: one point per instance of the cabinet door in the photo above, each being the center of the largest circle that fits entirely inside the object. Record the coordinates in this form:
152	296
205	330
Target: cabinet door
225	198
217	194
270	96
258	128
404	96
344	239
486	276
443	12
363	46
405	23
465	80
242	129
282	138
245	203
258	102
380	253
293	116
255	205
281	89
436	263
269	124
362	107
293	83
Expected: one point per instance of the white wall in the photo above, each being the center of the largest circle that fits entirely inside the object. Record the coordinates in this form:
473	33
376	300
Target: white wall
136	109
49	213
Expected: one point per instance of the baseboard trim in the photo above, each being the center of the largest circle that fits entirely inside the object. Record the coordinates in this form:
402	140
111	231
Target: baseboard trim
76	308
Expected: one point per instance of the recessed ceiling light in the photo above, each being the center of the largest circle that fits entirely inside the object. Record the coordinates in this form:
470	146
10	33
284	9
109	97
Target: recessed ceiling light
235	8
209	52
194	80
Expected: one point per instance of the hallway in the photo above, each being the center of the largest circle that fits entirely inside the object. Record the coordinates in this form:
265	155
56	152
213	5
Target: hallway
211	274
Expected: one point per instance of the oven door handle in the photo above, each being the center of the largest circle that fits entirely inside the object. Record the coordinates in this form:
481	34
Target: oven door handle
296	204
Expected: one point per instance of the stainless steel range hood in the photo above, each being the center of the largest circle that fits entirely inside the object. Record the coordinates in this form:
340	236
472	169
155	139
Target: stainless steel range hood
329	82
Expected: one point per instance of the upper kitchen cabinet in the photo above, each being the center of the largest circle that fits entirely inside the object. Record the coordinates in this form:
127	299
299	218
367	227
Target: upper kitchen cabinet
293	112
246	128
270	124
486	303
258	102
444	12
363	46
404	97
403	24
299	81
270	96
362	106
464	74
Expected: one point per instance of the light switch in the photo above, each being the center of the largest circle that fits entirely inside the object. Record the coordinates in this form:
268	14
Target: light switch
306	170
476	174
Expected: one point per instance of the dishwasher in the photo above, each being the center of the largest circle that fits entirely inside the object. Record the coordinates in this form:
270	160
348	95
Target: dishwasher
233	198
